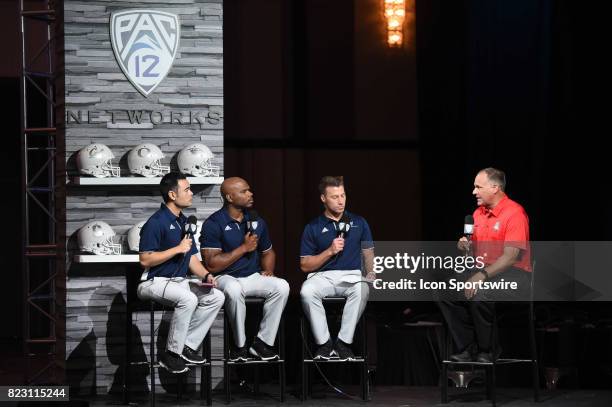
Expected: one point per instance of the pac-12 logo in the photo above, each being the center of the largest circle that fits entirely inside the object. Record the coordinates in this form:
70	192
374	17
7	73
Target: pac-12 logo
145	44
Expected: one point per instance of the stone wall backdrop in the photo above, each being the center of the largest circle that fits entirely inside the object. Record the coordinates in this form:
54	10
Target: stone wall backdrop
103	106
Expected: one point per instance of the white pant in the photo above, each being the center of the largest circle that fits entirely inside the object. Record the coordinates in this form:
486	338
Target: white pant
329	283
195	309
275	291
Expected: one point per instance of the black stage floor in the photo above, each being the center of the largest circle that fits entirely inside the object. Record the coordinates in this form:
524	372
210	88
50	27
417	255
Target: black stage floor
394	396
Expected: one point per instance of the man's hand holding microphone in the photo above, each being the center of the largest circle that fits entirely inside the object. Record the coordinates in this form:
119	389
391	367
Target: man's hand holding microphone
250	242
337	246
185	245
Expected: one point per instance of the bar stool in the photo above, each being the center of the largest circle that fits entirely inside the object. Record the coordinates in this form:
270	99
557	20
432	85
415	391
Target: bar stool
227	364
361	361
135	304
489	368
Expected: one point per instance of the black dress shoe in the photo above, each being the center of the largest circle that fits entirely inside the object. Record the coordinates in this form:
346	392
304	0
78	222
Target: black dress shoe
488	357
465	356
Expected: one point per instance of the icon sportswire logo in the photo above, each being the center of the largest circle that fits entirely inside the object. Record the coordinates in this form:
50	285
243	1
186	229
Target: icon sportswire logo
145	43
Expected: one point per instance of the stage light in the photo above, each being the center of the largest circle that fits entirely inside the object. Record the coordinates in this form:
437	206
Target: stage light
393	24
395	13
395	38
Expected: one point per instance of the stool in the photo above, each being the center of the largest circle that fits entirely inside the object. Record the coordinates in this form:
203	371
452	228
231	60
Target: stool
491	367
227	364
135	304
361	361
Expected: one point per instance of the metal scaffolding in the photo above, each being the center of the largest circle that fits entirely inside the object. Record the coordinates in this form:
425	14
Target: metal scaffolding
43	183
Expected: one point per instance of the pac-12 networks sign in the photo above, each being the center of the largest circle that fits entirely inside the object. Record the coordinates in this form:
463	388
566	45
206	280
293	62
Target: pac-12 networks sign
145	44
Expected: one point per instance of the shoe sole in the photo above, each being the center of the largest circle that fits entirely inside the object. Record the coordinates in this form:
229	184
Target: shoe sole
195	362
162	364
239	359
254	353
463	360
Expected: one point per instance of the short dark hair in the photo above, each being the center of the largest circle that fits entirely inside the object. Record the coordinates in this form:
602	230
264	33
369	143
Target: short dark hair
330	181
170	183
496	176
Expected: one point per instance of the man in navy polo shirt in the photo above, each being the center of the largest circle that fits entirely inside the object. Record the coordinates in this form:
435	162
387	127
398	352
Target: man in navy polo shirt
332	256
167	253
239	251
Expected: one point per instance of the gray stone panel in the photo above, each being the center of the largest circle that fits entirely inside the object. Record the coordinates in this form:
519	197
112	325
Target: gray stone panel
96	293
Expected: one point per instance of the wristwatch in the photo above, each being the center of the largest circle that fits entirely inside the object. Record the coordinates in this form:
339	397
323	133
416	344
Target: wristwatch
484	271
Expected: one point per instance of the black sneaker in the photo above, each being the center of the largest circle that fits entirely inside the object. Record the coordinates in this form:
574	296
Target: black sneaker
324	351
172	363
192	356
238	354
344	351
262	350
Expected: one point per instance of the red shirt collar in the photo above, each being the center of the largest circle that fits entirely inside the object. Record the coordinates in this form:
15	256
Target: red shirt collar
498	208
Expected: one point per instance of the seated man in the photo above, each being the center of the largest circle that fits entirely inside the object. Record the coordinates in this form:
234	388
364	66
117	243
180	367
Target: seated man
501	237
332	245
166	253
239	251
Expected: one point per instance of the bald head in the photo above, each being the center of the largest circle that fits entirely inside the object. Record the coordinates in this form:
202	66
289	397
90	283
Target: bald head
237	192
230	184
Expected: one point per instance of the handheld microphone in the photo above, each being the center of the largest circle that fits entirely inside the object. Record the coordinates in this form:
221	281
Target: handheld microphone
468	226
343	226
251	221
468	231
191	226
251	225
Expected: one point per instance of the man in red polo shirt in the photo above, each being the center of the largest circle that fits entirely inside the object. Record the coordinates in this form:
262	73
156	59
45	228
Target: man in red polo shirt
501	237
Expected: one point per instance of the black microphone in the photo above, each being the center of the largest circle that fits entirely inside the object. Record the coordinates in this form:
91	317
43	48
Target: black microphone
252	217
191	226
189	229
251	225
343	226
468	226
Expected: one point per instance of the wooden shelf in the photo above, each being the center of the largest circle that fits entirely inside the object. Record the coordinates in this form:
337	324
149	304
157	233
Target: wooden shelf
94	258
139	181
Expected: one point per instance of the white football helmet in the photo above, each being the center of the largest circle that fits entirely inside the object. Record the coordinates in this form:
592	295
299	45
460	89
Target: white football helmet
97	237
95	159
196	159
145	160
133	236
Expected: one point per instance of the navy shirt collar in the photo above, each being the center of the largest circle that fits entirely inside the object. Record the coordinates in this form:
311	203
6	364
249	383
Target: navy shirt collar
228	219
324	220
169	215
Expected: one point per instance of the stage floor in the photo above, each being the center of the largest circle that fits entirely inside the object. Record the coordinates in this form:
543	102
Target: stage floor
395	396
